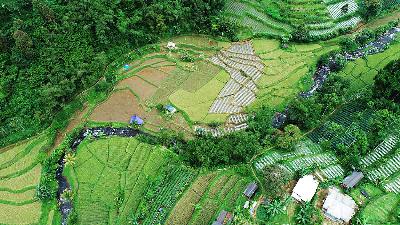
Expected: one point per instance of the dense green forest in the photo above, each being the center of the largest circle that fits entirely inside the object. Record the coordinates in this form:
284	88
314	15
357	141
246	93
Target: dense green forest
52	50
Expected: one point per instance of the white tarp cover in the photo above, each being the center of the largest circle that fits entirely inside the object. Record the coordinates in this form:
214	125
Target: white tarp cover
339	206
305	188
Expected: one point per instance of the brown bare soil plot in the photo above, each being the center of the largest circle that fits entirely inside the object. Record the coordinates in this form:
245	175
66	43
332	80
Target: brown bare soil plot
119	107
167	69
142	88
152	75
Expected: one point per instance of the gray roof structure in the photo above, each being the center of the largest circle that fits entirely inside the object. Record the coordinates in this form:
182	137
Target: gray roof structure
216	223
353	179
250	189
221	216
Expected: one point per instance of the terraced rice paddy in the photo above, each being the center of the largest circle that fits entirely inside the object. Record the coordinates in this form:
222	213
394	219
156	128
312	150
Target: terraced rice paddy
124	168
362	71
286	71
20	172
207	196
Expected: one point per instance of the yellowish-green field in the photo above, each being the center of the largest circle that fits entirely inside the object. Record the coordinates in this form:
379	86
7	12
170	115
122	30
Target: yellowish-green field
286	70
198	103
19	175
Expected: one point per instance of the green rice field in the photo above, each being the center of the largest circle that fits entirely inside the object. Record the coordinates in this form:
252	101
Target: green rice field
20	172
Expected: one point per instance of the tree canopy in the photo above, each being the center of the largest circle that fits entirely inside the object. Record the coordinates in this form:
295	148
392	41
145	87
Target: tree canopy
52	50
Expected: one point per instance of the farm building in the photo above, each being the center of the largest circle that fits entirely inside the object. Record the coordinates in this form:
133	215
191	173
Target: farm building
338	206
170	109
305	188
353	179
136	120
224	217
250	190
171	45
126	67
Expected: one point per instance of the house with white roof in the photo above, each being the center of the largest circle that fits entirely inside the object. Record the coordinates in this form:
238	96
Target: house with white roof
305	188
338	206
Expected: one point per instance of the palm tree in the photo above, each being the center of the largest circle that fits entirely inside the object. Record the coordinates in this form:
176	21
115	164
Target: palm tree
69	159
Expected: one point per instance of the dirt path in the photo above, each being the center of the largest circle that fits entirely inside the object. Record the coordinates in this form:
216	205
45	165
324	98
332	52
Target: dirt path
76	119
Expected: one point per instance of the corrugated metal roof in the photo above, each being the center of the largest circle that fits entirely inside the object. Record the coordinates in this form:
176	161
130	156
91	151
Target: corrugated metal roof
250	189
353	179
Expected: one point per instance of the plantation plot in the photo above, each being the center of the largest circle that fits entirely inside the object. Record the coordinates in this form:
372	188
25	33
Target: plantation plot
210	193
382	149
306	155
350	117
379	210
248	15
342	9
245	69
385	170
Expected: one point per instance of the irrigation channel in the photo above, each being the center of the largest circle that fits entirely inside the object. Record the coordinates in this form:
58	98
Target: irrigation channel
323	71
63	185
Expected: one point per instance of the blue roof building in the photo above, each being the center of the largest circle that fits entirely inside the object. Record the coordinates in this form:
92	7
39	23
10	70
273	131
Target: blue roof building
136	120
170	108
126	67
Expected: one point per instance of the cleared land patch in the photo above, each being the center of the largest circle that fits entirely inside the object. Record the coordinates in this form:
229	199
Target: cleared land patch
143	89
119	107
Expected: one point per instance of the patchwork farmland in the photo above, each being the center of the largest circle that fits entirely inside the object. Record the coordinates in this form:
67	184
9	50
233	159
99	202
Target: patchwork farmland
200	112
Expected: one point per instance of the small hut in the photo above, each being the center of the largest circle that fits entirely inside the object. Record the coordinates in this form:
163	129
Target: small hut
126	67
171	45
224	217
136	120
352	180
170	109
250	190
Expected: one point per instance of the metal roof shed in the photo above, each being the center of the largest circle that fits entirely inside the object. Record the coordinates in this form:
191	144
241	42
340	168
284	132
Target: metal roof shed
250	189
353	179
136	120
305	188
170	109
338	206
